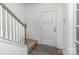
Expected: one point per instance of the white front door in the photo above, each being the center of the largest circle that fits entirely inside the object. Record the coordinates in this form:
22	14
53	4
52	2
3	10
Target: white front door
48	28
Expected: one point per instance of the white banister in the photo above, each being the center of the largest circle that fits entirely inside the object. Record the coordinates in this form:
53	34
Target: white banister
6	32
14	29
3	21
1	29
19	33
8	25
11	28
23	36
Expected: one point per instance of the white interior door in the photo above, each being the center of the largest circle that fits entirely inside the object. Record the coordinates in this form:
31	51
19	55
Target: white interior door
48	28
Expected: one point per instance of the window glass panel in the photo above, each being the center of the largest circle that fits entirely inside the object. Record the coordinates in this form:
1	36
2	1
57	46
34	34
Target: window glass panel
77	14
77	49
77	32
77	5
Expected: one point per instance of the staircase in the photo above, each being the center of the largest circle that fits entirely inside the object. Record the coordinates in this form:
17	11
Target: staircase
12	29
31	43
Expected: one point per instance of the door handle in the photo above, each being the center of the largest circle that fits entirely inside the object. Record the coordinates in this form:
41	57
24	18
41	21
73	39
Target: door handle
40	27
55	29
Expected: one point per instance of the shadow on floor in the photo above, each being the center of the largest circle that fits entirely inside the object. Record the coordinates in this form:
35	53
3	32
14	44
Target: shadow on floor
45	50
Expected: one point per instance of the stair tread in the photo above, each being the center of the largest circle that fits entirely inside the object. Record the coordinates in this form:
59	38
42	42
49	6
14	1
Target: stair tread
31	42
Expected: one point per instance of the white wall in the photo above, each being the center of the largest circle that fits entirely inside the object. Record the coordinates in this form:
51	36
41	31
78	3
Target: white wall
17	9
65	28
10	48
32	13
32	17
68	38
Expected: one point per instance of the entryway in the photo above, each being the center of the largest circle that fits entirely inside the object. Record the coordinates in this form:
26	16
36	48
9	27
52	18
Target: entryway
48	28
45	26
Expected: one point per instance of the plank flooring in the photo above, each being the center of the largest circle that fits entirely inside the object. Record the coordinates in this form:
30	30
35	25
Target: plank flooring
45	50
